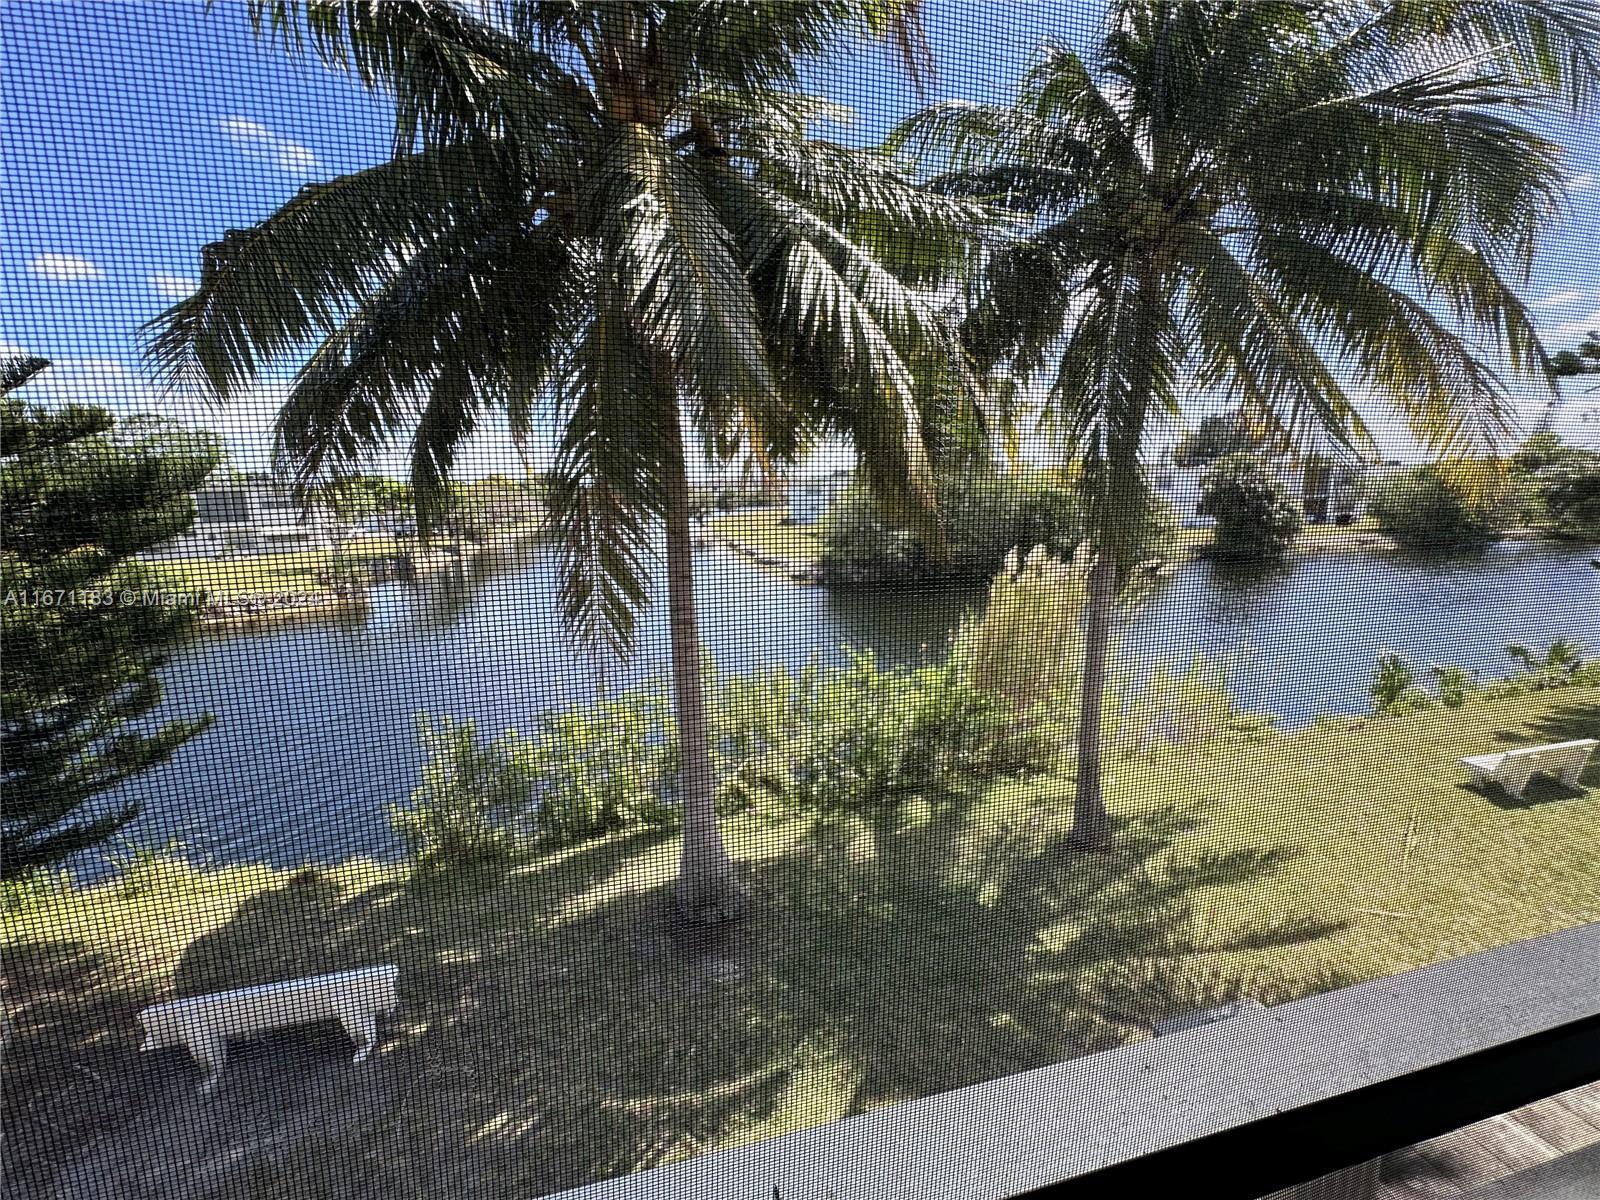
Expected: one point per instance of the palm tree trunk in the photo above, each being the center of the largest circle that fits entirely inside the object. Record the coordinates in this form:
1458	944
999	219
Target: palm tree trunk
1118	522
1091	824
707	890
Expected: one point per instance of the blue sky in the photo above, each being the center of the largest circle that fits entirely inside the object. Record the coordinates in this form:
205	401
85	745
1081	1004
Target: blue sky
134	133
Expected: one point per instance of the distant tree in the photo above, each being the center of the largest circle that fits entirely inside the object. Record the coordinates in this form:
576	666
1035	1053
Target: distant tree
1570	489
1583	360
1421	509
984	515
82	497
1217	436
1567	362
1256	519
356	498
1589	350
1559	485
1540	451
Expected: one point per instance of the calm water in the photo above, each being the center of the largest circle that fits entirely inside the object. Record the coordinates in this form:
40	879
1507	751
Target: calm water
315	731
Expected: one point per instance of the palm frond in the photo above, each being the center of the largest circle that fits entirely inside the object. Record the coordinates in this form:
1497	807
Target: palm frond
266	292
1451	400
1553	45
18	369
677	266
606	490
1250	339
474	321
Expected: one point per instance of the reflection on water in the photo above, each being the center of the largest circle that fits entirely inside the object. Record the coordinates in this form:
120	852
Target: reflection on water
315	733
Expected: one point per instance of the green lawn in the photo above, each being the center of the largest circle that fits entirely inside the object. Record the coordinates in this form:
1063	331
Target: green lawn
557	1026
285	571
762	530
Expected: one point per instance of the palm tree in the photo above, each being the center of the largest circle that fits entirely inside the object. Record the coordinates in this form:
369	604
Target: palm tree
1282	198
612	212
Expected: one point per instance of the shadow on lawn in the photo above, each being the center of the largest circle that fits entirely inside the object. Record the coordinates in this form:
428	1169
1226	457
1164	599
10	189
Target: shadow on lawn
559	1025
1565	724
71	1062
1580	719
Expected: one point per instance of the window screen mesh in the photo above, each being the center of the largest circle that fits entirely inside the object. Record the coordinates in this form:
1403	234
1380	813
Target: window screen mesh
680	572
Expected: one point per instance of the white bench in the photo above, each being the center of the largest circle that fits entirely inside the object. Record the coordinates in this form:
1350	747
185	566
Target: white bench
1512	769
204	1024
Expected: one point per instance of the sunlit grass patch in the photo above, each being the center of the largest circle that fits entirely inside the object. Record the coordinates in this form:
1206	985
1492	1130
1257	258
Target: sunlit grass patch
765	531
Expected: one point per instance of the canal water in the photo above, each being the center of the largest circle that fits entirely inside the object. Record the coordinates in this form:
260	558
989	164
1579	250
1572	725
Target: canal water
315	724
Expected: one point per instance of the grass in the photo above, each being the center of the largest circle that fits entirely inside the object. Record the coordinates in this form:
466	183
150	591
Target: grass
557	1026
282	572
763	530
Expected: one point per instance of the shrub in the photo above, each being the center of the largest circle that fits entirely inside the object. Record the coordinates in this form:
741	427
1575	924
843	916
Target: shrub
1189	709
848	737
1421	510
859	736
463	811
1561	664
1255	517
983	515
1570	491
606	766
1453	684
1394	687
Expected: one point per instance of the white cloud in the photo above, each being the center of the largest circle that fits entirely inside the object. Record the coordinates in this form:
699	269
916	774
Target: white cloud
1558	299
1577	328
1581	182
173	287
256	140
64	268
243	129
295	158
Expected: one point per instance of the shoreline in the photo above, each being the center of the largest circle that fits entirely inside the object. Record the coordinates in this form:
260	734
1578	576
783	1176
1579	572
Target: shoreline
1317	541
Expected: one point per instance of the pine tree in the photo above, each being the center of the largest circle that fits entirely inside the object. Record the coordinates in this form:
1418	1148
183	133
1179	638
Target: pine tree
84	625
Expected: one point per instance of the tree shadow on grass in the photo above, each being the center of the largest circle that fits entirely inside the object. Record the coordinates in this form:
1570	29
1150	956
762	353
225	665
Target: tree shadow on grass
1567	723
559	1024
71	1057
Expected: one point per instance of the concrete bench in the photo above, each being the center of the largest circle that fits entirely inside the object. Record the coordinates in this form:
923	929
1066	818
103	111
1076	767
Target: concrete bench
1512	769
204	1024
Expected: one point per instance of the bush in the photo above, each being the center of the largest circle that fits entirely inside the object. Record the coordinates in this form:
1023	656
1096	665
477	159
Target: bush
461	813
858	736
1189	709
1394	687
1570	491
984	515
589	771
1561	664
1255	517
1453	684
1421	510
850	737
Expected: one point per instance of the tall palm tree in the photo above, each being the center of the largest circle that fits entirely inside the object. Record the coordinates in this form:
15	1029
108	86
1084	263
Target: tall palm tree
614	209
1283	198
